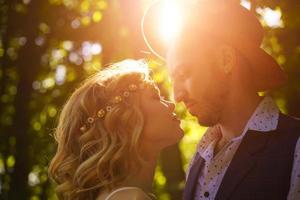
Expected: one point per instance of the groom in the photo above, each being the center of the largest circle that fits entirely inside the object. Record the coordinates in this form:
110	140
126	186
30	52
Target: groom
250	150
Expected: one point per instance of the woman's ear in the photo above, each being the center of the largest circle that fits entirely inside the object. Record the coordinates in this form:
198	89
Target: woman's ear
226	56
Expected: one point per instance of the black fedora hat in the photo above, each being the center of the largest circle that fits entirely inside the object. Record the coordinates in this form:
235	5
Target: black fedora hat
227	21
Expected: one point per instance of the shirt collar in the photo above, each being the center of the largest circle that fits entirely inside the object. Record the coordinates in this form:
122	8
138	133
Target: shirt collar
264	119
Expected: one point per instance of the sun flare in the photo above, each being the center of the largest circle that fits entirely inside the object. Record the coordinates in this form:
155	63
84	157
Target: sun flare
172	19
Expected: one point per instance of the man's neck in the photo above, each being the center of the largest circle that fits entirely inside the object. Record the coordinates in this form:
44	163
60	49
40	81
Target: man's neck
237	113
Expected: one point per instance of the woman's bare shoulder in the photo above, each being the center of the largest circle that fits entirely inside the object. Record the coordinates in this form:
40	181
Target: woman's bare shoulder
130	194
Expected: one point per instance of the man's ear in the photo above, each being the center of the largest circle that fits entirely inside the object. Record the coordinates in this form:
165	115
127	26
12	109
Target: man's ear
226	56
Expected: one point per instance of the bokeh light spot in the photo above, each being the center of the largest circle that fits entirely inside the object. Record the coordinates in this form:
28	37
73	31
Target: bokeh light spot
270	17
97	16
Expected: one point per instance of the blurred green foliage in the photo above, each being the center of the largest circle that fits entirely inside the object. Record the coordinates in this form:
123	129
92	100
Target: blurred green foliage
48	46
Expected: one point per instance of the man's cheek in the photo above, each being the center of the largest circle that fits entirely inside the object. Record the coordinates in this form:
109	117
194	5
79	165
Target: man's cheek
192	86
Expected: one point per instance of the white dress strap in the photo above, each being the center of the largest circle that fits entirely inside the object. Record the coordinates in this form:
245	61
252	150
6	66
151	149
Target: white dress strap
120	189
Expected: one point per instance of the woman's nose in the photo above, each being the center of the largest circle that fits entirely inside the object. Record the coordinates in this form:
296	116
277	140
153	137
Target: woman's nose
171	106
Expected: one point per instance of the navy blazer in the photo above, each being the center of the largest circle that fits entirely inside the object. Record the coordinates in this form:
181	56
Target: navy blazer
261	167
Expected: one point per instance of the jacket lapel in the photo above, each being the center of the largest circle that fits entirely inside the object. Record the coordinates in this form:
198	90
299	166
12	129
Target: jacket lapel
243	161
191	183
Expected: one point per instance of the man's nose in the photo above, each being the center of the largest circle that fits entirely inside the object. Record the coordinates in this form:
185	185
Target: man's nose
179	94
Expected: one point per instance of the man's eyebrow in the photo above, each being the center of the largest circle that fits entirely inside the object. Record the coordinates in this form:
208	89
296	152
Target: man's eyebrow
180	69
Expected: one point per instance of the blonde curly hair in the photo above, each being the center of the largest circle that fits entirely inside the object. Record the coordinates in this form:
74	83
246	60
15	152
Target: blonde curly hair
102	156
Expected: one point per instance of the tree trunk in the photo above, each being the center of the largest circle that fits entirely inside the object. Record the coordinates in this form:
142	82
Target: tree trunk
27	66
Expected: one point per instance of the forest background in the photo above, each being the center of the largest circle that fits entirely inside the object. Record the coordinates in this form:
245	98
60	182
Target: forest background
47	47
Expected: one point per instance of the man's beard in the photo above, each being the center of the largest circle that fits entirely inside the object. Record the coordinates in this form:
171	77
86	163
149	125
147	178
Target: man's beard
209	114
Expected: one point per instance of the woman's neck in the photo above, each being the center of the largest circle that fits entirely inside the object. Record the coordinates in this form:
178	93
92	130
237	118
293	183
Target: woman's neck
143	177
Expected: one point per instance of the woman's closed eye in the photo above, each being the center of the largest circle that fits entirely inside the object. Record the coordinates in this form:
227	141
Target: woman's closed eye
155	96
159	97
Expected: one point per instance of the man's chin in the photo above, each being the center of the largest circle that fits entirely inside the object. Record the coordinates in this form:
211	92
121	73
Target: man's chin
206	120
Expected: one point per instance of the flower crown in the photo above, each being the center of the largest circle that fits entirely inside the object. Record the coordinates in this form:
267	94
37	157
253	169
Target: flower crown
116	100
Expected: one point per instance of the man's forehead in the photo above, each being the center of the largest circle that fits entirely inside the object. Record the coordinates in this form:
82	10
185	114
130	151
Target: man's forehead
176	67
177	52
179	58
187	52
173	61
179	48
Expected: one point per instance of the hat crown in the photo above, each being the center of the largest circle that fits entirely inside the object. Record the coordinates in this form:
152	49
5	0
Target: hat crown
225	19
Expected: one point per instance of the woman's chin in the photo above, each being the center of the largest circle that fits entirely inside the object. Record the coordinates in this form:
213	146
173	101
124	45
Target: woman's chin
181	134
177	135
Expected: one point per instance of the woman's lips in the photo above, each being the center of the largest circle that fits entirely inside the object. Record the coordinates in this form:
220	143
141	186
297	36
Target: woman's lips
175	118
189	105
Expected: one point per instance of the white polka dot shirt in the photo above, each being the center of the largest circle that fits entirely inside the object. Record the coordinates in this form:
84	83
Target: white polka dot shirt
264	119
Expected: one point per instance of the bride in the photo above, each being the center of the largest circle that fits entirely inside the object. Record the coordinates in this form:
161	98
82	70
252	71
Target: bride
110	133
